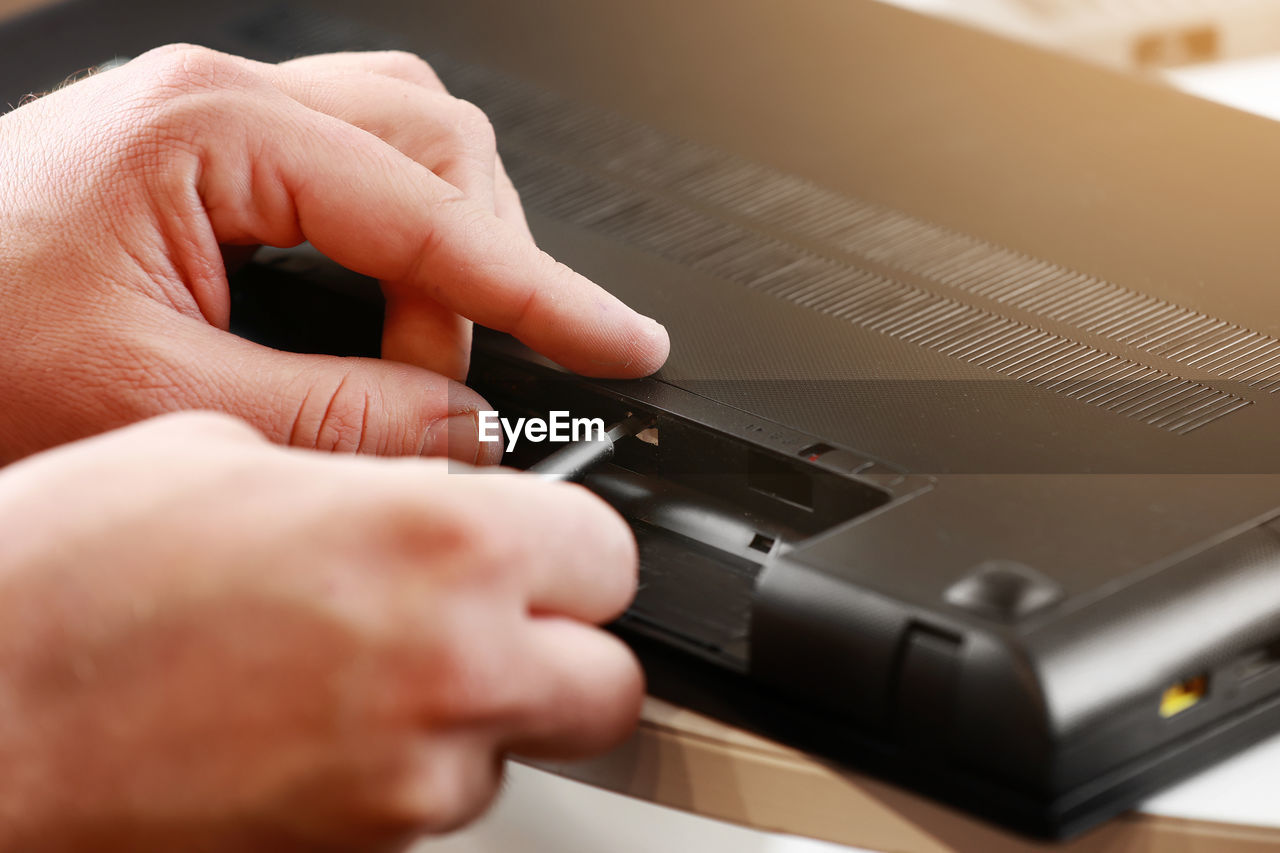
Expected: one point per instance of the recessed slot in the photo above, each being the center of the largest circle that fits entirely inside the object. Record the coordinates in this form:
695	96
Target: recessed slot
642	453
762	543
779	478
776	492
1184	696
814	451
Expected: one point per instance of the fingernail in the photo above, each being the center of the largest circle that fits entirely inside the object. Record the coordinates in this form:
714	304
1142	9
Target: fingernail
456	436
662	342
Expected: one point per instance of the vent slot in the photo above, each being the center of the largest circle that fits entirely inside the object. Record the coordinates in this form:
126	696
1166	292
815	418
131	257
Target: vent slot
780	234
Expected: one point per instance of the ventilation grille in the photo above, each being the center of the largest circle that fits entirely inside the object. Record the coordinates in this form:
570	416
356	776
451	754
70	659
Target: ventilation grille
785	236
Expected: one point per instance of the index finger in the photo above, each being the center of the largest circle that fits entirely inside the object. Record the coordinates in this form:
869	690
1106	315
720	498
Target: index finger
569	552
378	212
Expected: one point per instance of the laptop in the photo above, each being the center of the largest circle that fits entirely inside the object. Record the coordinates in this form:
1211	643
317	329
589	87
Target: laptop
964	466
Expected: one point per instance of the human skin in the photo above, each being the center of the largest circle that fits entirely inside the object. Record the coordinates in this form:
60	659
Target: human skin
209	641
120	194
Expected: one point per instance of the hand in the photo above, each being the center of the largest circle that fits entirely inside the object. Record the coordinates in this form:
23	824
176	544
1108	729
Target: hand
119	194
211	643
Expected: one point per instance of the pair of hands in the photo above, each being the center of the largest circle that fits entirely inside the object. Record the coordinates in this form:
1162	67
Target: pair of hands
211	642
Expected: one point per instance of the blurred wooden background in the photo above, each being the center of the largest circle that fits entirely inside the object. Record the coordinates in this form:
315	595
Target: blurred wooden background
13	7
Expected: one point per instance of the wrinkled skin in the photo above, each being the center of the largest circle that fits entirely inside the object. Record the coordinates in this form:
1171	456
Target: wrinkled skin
119	195
208	642
211	642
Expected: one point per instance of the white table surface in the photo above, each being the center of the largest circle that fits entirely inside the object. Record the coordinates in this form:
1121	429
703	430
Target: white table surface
1243	790
542	813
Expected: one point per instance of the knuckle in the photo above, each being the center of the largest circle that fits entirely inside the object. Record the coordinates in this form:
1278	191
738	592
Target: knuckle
450	788
472	220
471	675
473	126
481	550
186	68
406	65
453	542
469	224
171	120
181	95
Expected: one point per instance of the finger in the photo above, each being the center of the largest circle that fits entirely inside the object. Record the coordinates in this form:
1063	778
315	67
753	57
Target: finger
440	782
328	403
401	65
412	69
382	792
420	331
450	137
507	201
585	690
567	550
377	212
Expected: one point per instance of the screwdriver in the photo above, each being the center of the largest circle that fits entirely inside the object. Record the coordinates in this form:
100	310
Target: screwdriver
574	461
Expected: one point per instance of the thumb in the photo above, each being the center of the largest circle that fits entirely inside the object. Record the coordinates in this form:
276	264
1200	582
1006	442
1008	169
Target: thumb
359	405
